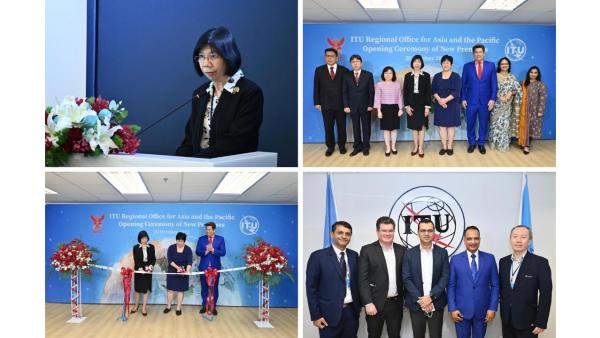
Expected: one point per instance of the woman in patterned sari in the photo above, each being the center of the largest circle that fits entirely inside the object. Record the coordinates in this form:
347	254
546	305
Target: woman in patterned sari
506	108
532	108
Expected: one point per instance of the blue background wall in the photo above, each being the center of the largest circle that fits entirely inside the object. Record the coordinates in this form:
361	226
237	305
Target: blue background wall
539	39
144	57
64	222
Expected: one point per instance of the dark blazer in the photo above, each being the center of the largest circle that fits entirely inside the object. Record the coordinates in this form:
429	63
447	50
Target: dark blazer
423	98
373	278
235	125
212	258
326	287
413	278
327	92
358	97
476	91
138	256
528	304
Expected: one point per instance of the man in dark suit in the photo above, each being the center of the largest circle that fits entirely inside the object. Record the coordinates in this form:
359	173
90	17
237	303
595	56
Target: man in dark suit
380	280
327	96
478	94
358	95
525	288
210	249
425	271
332	286
473	288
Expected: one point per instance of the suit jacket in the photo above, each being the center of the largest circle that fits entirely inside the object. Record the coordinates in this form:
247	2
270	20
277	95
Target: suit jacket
373	280
212	258
327	92
235	125
413	278
358	97
138	256
528	304
473	297
423	98
326	287
476	91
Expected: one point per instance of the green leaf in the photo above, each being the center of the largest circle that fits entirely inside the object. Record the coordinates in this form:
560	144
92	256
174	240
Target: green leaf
91	100
135	128
119	116
118	140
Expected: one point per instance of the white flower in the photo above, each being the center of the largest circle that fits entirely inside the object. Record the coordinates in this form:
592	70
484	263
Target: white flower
68	111
102	137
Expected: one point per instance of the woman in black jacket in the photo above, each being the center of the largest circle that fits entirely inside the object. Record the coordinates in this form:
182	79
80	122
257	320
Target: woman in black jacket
417	103
144	259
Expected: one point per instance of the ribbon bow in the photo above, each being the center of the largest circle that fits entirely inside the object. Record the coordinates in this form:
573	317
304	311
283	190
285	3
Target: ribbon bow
211	279
127	274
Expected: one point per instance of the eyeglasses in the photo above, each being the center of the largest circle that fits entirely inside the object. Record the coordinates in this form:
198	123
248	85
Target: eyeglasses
426	231
212	57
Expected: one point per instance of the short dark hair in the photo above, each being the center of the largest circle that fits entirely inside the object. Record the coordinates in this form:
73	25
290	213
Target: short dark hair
447	57
539	78
221	41
472	227
385	69
181	235
478	46
417	57
211	224
341	223
384	220
425	220
331	50
507	60
355	56
141	235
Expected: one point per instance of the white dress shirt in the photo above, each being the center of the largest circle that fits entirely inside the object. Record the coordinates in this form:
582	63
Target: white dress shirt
390	262
515	267
144	252
416	81
348	298
426	269
471	259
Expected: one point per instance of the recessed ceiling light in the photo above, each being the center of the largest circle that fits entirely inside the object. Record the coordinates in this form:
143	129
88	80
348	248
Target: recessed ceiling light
236	183
501	5
128	183
51	192
379	4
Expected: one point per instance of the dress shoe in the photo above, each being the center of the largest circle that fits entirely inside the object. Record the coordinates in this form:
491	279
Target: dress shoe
135	310
178	312
354	152
203	310
328	152
481	149
366	152
343	151
394	151
526	151
450	152
413	153
422	155
144	313
215	312
471	148
442	151
387	154
166	310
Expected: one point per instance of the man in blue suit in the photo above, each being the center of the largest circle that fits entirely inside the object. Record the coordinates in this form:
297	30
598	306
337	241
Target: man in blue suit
332	286
425	275
473	288
210	249
478	94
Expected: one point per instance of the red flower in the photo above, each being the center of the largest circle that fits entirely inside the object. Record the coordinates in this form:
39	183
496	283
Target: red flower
130	142
99	104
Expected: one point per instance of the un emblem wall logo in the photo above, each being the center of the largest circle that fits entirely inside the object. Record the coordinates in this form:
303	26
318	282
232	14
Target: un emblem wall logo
436	204
249	225
515	49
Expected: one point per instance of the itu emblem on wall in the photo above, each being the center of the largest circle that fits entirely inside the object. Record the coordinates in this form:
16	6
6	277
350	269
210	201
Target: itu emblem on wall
436	204
249	225
515	49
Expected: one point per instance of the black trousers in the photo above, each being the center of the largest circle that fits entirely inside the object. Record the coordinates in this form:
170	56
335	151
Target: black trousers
419	321
391	316
346	328
508	331
361	127
329	118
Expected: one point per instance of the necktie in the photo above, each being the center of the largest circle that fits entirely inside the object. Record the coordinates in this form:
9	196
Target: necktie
210	240
343	265
473	266
479	70
356	78
331	73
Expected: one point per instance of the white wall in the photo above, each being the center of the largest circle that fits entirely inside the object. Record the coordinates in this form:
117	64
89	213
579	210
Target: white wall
66	27
489	200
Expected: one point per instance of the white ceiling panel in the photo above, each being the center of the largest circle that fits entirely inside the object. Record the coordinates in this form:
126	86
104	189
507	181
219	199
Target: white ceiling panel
310	4
454	15
110	197
350	14
418	15
202	178
469	5
345	4
197	197
279	178
426	5
266	189
386	15
537	5
200	188
485	16
318	15
139	198
171	178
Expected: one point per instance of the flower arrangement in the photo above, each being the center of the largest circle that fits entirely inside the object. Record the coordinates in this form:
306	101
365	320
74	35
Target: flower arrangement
73	256
88	126
265	261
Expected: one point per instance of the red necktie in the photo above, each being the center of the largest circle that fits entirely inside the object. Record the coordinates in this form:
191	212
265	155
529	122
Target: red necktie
210	240
331	73
479	70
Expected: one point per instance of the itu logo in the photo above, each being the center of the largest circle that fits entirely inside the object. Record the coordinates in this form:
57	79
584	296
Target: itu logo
249	225
436	204
515	49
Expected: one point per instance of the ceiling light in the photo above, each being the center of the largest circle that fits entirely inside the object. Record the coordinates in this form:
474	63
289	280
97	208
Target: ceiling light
128	183
51	192
236	183
501	5
379	4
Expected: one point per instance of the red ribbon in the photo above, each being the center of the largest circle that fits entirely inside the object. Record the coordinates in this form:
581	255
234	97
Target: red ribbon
211	279
127	273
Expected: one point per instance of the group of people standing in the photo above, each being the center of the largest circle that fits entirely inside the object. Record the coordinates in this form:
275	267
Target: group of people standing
387	276
492	97
210	249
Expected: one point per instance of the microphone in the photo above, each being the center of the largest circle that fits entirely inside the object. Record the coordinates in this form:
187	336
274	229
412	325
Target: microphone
167	115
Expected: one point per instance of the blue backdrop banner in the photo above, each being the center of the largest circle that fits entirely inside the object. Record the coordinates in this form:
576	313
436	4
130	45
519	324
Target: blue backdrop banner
394	45
116	233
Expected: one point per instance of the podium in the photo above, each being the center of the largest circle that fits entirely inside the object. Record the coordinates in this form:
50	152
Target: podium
253	159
